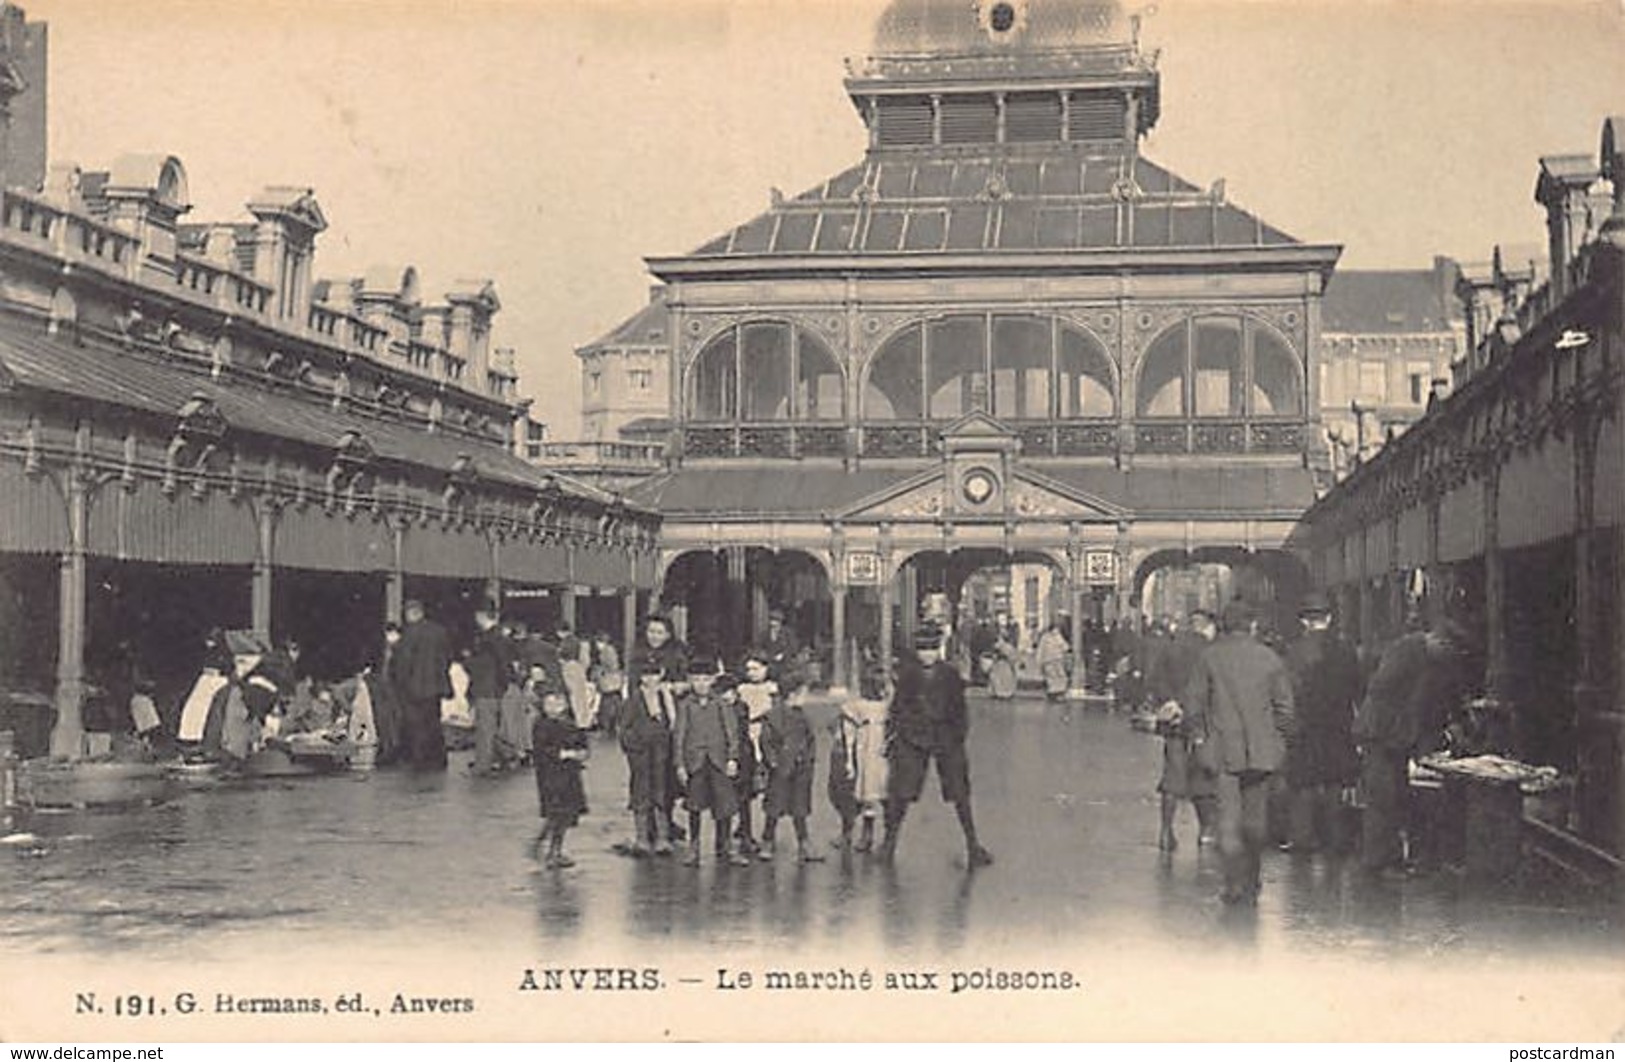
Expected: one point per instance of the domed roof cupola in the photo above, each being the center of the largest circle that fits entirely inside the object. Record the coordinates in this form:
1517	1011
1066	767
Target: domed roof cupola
934	28
992	72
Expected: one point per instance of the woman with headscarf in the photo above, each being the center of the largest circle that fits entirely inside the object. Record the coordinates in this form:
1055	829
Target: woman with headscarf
1052	655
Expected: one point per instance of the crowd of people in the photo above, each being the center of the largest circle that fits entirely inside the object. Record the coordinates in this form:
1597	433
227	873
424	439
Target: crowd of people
727	742
1299	729
1268	740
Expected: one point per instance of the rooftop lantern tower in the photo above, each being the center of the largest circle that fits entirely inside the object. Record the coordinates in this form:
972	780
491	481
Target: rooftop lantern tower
1013	76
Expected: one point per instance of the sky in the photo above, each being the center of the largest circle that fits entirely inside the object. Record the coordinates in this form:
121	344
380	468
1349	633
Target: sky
551	146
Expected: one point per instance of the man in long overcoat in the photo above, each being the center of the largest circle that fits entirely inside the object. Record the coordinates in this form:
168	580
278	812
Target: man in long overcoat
1239	703
1321	760
420	671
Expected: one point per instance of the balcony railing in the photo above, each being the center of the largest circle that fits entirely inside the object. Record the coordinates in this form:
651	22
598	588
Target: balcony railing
605	455
765	440
1218	436
29	221
1058	438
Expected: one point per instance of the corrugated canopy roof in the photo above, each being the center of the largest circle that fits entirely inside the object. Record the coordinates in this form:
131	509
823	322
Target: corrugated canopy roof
135	380
943	203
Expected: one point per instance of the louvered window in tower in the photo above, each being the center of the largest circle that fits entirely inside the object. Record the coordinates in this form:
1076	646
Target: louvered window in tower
1032	117
969	120
1097	116
903	121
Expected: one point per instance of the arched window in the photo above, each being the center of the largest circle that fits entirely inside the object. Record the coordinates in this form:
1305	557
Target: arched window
820	385
1219	381
956	366
1015	367
1022	347
896	386
1219	367
1084	373
765	371
1276	387
1162	375
716	379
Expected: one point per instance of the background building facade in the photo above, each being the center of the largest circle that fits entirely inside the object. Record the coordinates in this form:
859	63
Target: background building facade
1388	341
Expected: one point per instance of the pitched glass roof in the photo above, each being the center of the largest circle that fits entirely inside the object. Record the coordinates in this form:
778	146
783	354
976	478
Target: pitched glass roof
926	203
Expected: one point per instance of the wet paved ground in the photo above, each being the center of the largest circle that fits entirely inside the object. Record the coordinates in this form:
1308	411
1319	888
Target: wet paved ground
1065	800
425	864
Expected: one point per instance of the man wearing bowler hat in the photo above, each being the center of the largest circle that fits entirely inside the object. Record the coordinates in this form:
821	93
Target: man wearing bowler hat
929	721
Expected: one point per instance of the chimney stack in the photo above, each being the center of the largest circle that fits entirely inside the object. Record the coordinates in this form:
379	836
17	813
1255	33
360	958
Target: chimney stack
1564	189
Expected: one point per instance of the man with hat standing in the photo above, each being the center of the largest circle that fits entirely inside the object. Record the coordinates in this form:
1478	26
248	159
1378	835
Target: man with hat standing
1321	759
422	677
1239	701
929	721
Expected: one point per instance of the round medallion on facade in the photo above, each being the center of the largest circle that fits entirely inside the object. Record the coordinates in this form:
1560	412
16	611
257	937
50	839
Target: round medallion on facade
978	485
929	31
1290	318
1002	19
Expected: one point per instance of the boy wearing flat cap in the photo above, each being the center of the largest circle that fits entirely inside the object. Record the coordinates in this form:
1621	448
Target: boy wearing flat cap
706	741
929	721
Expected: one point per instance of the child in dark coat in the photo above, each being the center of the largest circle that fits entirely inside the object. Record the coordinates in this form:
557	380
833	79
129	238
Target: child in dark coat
705	742
645	732
560	753
790	752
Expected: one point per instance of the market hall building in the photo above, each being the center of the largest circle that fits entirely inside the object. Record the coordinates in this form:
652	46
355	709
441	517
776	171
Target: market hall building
1004	337
197	433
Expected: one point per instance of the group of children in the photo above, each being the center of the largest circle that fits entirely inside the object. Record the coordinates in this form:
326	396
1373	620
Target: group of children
719	742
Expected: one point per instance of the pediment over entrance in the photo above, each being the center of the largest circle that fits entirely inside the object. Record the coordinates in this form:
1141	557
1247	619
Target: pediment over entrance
978	431
982	493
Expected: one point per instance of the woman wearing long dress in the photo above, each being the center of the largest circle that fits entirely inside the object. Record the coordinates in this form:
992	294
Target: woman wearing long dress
1052	653
1001	674
864	722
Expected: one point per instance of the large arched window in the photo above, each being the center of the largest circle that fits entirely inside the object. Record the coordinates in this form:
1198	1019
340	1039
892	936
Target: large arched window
896	389
1014	367
1219	367
1021	367
765	371
956	366
1276	387
1087	385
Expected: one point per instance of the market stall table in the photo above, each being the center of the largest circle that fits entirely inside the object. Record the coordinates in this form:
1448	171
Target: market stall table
1489	789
